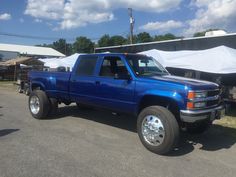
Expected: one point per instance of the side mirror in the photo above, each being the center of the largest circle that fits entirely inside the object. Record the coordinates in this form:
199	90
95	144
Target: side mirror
122	77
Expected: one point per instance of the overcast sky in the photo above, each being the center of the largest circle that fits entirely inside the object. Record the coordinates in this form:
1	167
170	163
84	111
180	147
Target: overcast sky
93	18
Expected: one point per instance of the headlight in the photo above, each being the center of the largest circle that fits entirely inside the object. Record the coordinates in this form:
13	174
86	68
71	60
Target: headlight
193	95
200	94
192	105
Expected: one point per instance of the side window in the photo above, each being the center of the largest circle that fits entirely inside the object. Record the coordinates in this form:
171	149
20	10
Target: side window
112	66
87	65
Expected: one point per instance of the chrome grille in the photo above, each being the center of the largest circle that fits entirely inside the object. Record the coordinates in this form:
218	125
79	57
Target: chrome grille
213	94
212	103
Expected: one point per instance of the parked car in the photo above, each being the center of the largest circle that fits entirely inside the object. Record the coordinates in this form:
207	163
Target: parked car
133	84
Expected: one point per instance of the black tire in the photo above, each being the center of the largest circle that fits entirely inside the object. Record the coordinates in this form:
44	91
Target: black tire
44	104
171	129
53	106
199	127
67	103
83	106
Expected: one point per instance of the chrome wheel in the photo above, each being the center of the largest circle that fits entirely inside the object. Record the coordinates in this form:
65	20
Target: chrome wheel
153	130
34	104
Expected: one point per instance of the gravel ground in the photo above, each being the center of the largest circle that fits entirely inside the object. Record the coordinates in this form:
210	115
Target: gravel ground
96	143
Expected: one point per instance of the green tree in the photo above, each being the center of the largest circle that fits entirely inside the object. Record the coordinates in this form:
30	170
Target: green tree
104	41
83	45
144	37
69	49
202	33
1	57
135	39
117	40
62	46
167	36
45	45
199	34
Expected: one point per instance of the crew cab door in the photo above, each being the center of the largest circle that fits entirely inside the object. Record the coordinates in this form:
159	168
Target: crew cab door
83	80
115	86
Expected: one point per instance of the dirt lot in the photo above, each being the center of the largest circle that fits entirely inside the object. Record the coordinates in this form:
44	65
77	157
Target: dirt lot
96	143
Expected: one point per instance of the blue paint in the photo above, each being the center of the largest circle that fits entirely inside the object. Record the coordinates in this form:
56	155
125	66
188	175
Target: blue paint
115	94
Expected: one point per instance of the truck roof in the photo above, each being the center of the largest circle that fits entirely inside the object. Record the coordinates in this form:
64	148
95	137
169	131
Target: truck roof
114	54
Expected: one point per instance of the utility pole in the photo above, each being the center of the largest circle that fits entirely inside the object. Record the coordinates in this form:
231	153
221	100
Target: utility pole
65	48
131	24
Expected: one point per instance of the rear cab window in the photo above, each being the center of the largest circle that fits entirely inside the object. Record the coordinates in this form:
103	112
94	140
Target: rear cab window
86	65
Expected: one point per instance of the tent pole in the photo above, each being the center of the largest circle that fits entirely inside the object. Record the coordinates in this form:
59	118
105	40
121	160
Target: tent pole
15	73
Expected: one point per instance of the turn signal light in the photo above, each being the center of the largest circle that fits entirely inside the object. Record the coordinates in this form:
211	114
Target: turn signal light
191	95
190	105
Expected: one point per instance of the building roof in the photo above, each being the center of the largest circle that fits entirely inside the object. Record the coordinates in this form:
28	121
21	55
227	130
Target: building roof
166	41
31	50
22	60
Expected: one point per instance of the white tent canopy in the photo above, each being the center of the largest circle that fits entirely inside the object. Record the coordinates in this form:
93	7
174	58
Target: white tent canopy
220	59
57	62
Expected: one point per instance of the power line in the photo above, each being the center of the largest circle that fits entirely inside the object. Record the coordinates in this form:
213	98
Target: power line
32	37
47	38
39	37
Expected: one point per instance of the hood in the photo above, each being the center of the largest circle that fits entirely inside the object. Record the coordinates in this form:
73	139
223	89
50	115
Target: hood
192	84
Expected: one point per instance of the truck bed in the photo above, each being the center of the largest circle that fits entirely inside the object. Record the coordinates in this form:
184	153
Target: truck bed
56	83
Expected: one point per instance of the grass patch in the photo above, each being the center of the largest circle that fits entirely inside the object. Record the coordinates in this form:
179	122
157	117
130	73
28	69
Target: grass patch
230	118
228	123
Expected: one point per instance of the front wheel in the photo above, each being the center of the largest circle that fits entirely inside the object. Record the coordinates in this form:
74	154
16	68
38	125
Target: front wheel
39	104
158	129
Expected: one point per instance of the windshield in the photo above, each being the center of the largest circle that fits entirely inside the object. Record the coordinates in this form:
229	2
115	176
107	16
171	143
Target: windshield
145	66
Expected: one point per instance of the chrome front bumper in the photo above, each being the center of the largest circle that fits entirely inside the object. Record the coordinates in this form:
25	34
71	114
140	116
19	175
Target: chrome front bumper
191	116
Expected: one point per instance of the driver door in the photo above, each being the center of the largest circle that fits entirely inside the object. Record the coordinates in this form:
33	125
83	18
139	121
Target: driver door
113	92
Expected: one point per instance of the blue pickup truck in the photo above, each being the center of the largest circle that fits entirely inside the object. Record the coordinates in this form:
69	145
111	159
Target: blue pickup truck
136	85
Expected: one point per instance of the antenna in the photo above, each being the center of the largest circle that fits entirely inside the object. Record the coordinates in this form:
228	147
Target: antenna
132	21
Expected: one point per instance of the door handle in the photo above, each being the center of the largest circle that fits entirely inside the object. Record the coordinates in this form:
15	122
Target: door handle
97	82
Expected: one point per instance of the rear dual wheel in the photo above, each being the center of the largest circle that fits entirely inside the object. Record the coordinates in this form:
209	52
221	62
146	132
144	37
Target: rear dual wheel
40	105
83	106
